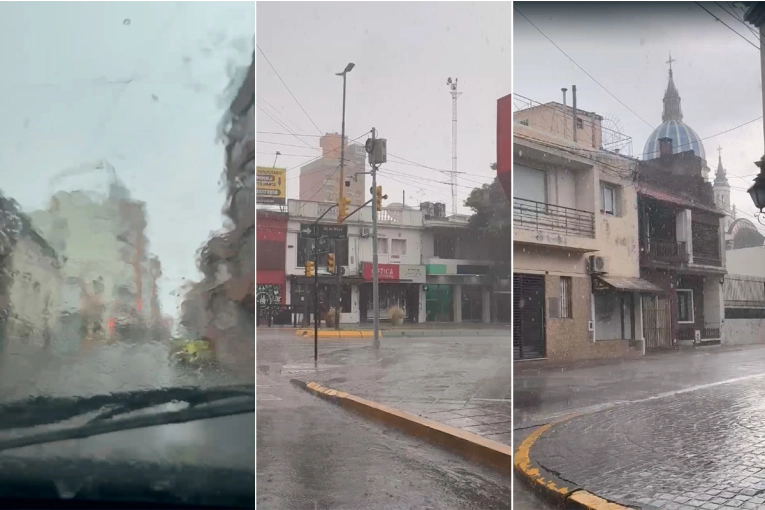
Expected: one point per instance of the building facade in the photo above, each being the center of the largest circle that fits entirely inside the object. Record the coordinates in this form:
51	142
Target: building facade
320	179
30	283
577	291
401	272
683	219
271	278
221	307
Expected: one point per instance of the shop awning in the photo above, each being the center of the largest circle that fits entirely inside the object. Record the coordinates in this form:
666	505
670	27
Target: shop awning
624	283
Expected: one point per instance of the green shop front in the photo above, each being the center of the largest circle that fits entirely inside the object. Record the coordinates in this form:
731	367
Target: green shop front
467	293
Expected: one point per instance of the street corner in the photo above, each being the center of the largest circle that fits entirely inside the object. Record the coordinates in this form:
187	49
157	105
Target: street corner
335	334
548	485
472	446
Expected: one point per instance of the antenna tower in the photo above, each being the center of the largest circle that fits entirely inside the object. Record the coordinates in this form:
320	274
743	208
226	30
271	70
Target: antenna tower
453	174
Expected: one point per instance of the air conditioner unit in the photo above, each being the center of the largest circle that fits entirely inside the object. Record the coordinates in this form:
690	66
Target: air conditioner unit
597	264
366	232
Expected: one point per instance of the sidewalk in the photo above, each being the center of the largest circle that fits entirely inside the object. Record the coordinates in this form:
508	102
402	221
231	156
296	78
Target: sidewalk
423	330
464	383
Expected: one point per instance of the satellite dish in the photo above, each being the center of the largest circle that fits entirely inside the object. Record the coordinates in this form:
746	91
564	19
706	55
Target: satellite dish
613	137
448	81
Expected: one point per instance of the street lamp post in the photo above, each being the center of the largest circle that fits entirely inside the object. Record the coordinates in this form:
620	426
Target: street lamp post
755	15
339	292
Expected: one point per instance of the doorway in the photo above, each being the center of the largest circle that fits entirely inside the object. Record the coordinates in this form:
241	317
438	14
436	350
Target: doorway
528	317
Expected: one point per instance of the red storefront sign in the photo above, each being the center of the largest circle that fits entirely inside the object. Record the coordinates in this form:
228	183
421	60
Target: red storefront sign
384	271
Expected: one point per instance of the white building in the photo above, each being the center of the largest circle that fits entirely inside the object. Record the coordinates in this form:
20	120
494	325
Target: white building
435	268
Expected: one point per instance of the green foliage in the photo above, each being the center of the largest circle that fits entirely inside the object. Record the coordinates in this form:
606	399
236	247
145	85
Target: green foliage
492	211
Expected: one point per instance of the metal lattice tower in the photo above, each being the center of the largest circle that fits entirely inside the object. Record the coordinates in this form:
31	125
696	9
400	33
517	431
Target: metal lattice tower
453	174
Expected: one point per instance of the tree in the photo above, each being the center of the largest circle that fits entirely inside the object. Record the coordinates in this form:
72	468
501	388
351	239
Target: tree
491	209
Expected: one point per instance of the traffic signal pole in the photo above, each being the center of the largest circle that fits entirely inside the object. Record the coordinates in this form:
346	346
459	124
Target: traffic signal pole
375	275
315	301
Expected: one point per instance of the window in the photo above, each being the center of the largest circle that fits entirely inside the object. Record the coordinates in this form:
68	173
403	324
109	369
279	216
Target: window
565	297
398	248
579	123
685	306
614	316
382	246
607	199
529	183
444	247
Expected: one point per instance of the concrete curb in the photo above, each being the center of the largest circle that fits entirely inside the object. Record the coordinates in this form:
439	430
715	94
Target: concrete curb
336	334
561	493
469	445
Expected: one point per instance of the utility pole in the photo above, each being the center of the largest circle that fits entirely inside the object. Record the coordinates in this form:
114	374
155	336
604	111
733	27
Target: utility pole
375	272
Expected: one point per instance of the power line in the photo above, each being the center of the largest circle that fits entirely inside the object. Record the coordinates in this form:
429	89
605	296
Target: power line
298	128
726	25
286	134
322	155
285	144
738	18
288	89
283	154
284	126
582	69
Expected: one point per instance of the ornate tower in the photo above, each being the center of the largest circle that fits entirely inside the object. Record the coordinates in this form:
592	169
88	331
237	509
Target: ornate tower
722	191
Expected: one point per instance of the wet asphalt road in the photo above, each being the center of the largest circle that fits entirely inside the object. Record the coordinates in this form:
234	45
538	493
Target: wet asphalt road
315	455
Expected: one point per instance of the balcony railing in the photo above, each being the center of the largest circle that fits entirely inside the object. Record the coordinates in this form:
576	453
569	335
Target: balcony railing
707	260
673	252
542	217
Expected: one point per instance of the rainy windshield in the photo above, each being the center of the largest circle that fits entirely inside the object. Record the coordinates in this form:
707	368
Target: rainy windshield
127	225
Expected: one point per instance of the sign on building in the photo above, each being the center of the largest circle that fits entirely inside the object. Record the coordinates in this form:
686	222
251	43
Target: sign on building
272	186
395	272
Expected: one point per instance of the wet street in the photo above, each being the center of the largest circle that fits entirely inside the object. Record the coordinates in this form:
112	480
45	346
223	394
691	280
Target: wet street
678	431
100	369
313	454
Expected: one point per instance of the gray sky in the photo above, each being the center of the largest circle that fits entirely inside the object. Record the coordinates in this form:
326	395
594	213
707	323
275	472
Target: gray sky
404	52
625	47
59	112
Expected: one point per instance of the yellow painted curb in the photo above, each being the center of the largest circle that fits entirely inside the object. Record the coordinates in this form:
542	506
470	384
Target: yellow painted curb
343	333
569	497
472	446
587	501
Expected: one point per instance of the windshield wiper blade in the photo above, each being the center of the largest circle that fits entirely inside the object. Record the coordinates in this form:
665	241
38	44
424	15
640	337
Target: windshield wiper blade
227	407
45	410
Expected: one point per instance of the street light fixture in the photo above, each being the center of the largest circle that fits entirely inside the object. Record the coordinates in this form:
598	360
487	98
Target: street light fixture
757	191
340	188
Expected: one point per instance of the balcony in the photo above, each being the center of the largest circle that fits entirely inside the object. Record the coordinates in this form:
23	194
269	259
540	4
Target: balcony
705	259
667	252
550	224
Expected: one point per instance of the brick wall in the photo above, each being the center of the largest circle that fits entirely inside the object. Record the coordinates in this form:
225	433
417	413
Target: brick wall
569	339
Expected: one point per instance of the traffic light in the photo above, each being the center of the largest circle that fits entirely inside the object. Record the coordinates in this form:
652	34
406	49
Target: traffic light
342	209
331	262
378	198
309	268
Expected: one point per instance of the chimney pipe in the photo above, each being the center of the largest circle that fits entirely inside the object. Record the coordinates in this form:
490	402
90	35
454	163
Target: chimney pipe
564	90
573	100
665	147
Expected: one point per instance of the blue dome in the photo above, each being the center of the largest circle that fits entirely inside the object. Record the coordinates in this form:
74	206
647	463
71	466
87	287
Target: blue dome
683	139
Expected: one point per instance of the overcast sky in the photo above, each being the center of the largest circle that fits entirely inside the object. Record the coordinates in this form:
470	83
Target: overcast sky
625	47
404	52
159	131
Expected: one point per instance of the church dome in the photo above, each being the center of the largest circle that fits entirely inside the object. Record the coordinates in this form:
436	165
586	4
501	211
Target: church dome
683	137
